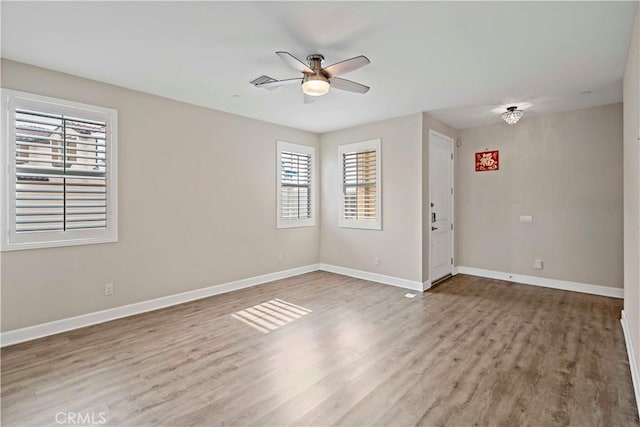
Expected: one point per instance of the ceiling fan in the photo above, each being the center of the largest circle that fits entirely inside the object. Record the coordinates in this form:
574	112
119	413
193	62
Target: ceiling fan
316	80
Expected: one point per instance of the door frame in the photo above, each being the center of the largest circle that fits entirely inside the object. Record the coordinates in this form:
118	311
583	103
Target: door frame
453	216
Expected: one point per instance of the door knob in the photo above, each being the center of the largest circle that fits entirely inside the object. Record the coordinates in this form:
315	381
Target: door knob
434	228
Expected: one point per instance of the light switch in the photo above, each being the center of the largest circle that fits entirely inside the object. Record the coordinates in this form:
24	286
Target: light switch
526	219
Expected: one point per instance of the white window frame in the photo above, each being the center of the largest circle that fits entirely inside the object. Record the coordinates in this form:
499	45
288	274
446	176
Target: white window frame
11	240
370	224
303	149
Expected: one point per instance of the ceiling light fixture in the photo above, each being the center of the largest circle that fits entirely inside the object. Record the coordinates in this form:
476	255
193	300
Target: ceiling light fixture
512	115
315	84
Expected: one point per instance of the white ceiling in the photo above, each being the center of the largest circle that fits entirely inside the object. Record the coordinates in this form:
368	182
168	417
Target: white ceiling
457	60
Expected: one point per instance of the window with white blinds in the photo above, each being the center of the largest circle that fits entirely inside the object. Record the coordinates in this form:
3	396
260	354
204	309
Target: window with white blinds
296	182
360	184
60	187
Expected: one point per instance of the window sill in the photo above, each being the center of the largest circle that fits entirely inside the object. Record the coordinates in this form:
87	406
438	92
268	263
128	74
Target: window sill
296	223
8	247
361	224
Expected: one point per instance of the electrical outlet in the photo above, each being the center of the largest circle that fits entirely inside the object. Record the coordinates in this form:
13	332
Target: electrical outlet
280	258
377	260
526	219
108	289
537	264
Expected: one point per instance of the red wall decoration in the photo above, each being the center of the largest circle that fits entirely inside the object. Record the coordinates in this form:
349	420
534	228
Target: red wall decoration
487	161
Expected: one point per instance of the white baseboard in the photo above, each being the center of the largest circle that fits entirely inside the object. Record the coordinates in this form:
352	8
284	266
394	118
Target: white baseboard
45	329
544	282
374	277
50	328
633	362
55	327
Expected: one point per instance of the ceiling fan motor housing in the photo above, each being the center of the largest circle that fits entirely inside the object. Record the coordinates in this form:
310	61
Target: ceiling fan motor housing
315	61
315	84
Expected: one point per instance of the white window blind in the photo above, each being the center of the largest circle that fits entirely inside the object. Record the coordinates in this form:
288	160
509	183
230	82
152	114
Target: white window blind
60	172
60	178
295	179
360	182
295	189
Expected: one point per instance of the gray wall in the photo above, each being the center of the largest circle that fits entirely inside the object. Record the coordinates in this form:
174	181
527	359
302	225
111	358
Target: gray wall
428	123
197	207
632	190
563	169
183	228
398	244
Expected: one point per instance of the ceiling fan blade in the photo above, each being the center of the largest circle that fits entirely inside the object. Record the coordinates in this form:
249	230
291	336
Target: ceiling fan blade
278	83
309	99
346	66
294	62
345	84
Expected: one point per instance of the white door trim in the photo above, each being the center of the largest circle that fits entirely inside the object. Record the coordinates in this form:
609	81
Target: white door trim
453	215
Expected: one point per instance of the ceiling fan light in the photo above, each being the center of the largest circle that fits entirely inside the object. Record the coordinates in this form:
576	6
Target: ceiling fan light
512	115
315	86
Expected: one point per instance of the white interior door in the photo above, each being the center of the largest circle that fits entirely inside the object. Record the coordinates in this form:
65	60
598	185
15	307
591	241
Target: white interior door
441	204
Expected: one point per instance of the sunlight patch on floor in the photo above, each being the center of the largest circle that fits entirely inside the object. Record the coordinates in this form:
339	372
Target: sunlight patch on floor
270	315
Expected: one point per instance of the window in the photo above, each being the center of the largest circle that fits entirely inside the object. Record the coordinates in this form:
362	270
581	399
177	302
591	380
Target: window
60	184
360	185
296	185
